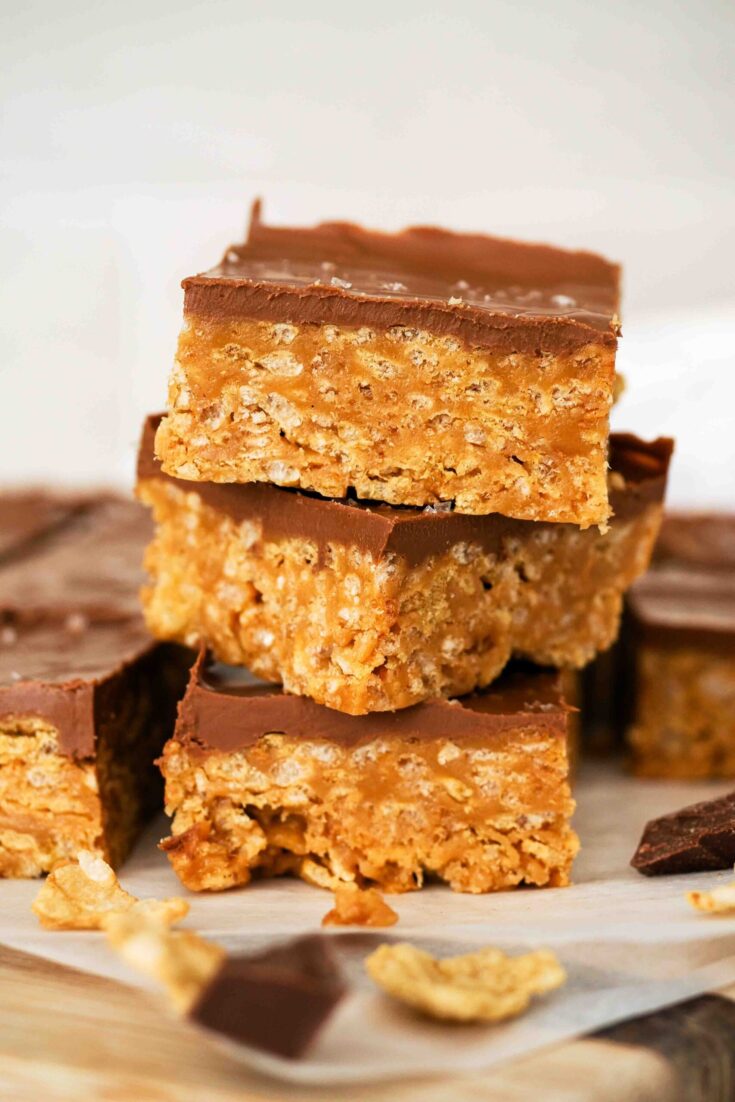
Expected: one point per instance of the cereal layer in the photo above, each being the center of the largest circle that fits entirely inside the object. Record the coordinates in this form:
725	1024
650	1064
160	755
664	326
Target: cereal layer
479	814
364	635
684	726
399	415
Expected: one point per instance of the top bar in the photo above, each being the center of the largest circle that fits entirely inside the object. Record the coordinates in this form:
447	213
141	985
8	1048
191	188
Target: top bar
412	368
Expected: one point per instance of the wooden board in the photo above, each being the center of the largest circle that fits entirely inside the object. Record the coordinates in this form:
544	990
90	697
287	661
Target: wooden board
66	1036
72	1035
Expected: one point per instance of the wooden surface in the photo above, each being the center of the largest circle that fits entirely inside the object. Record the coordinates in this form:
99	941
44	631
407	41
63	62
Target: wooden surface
66	1036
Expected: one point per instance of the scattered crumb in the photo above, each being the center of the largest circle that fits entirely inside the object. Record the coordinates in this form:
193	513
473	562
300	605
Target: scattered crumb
484	986
719	901
355	906
82	894
180	960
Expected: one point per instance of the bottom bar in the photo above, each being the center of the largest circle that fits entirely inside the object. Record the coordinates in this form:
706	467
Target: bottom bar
473	791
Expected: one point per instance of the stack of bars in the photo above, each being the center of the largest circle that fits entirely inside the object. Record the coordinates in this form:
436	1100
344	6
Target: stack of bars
384	476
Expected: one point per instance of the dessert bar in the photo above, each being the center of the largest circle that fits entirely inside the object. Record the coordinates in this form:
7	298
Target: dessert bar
373	607
411	368
473	791
683	652
25	515
83	713
86	697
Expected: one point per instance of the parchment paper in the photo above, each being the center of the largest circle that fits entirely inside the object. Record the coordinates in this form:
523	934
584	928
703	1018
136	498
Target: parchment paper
630	944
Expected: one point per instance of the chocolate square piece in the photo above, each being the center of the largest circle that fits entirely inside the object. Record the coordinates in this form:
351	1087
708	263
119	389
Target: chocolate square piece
697	838
277	1000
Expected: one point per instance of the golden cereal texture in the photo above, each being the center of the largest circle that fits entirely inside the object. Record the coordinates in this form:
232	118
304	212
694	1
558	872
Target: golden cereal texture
684	724
481	816
399	415
181	961
84	893
720	901
485	986
355	906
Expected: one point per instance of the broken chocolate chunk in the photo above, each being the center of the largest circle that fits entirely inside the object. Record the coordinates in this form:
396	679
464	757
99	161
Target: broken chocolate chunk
698	838
277	1000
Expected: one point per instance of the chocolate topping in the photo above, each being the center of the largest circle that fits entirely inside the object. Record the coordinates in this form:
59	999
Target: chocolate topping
63	652
227	709
695	839
673	612
27	515
90	564
56	671
704	540
687	599
485	290
411	532
70	628
277	1000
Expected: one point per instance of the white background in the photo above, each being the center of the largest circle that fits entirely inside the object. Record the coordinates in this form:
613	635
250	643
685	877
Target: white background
134	135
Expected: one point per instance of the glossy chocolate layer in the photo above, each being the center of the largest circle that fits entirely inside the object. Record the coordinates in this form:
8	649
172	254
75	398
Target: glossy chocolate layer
57	671
687	599
227	709
484	290
410	532
28	515
672	614
277	1000
697	540
72	641
91	564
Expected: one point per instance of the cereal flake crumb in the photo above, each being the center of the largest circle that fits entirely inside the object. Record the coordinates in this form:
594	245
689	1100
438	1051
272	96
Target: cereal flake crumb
484	986
82	894
180	960
719	901
354	906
